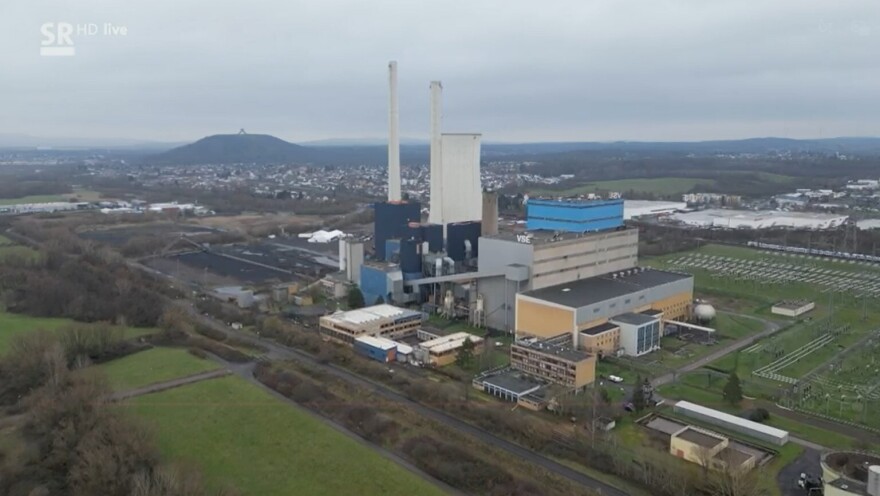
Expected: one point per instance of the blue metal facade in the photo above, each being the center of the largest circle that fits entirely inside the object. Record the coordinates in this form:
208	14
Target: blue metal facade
574	215
374	283
392	250
392	221
410	256
373	352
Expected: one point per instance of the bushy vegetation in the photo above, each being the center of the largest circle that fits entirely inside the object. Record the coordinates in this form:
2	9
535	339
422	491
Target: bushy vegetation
71	440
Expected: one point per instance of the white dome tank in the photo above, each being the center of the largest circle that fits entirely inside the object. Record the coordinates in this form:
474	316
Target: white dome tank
704	312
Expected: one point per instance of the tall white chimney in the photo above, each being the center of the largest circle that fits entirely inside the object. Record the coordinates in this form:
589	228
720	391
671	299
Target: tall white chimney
436	157
393	136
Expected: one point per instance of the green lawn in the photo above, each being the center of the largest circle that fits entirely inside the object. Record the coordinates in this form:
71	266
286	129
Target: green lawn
19	251
33	199
78	195
152	366
13	324
241	435
660	186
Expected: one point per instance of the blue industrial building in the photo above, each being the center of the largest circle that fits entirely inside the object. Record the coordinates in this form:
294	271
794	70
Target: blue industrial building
379	279
392	221
381	350
577	216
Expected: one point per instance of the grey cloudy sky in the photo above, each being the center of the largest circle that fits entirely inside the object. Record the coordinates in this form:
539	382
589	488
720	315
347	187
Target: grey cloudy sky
513	70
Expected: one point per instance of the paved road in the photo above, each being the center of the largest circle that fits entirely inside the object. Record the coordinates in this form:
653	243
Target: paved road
162	386
770	328
807	463
277	351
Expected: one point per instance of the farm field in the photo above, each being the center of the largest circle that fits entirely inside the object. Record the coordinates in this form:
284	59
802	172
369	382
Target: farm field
153	366
12	324
241	435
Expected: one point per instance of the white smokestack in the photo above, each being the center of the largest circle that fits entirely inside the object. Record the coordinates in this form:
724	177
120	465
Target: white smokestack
393	136
436	157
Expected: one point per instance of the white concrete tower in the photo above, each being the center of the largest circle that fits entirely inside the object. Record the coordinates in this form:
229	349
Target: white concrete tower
393	135
436	207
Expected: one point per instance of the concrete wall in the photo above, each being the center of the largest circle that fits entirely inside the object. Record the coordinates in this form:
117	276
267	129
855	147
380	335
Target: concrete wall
578	258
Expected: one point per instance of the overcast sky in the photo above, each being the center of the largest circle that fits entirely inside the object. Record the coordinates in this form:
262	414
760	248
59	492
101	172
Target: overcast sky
514	70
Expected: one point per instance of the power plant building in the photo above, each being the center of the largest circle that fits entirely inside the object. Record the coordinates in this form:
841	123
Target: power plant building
515	262
620	312
574	216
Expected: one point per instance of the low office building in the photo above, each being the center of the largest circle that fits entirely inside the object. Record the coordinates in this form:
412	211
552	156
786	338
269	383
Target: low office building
620	312
444	350
792	308
709	449
602	339
379	349
554	360
730	422
384	321
509	385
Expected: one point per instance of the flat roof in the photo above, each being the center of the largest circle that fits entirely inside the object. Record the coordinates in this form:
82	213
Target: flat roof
687	406
634	318
733	456
596	289
700	438
599	329
542	236
450	342
651	311
564	351
792	305
382	344
514	382
371	314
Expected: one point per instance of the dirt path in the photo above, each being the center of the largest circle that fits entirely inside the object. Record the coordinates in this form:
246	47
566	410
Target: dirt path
162	386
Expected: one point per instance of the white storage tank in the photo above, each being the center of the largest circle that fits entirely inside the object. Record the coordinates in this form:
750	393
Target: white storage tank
874	480
704	313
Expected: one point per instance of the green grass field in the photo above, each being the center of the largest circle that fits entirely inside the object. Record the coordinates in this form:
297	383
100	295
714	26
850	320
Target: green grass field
24	252
77	195
660	186
12	324
240	435
153	366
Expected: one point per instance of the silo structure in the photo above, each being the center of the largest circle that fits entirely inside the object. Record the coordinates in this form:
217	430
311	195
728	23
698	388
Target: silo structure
490	213
461	187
